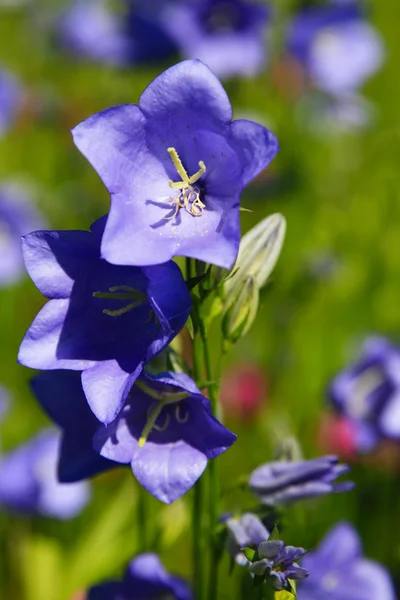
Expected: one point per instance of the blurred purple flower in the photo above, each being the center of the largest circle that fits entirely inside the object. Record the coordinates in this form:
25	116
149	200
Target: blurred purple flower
29	484
368	393
243	531
338	571
282	482
336	45
144	579
90	28
166	206
18	216
102	319
166	431
277	563
61	395
229	36
10	99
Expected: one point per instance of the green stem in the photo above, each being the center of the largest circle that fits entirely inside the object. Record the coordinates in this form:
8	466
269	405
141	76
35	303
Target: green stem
198	491
213	472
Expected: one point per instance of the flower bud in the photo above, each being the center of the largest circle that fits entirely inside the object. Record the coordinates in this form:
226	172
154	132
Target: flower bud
258	252
240	312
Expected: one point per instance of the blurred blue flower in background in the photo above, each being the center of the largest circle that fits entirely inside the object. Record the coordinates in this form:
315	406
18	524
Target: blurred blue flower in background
10	99
167	432
148	156
281	482
102	319
338	570
246	530
29	484
18	216
136	33
277	563
368	393
336	45
144	579
230	36
61	396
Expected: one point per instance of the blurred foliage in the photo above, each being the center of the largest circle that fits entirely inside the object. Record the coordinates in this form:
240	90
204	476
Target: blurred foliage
337	281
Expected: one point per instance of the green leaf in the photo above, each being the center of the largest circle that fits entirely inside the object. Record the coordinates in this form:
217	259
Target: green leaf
193	281
249	553
274	535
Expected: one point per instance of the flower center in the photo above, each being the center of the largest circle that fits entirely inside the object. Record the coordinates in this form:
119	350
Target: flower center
189	196
163	399
122	292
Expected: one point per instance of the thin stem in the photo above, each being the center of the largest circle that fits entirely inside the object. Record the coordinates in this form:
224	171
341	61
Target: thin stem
198	491
213	472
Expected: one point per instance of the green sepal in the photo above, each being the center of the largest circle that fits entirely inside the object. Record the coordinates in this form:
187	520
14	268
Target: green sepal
249	553
190	327
284	595
193	281
275	536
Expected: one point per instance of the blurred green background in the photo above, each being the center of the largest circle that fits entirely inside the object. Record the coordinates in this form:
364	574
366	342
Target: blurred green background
340	195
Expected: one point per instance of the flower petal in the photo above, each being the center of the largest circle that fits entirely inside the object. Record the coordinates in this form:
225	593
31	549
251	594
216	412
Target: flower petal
256	144
167	471
107	385
54	258
187	93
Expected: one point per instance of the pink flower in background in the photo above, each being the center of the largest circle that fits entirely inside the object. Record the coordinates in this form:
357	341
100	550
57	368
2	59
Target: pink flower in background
337	435
244	391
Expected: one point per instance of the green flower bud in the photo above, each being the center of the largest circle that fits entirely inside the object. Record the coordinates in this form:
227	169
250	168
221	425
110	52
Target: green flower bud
258	252
240	312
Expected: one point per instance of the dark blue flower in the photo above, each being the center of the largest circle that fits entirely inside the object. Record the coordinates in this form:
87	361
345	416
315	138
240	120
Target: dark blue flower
227	35
17	217
243	531
368	393
144	579
133	35
338	571
277	563
61	395
175	167
10	100
336	45
166	431
282	482
29	484
104	320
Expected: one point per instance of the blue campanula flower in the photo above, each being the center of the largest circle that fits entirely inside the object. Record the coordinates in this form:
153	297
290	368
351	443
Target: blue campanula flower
102	319
10	99
338	570
336	45
144	579
227	35
282	482
246	530
29	484
17	217
134	34
277	563
175	166
167	433
368	393
61	395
